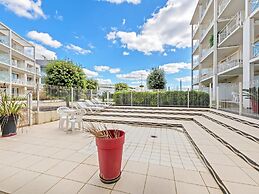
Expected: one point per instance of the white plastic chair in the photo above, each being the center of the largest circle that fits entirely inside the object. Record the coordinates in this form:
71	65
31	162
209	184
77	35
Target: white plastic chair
92	109
78	119
62	116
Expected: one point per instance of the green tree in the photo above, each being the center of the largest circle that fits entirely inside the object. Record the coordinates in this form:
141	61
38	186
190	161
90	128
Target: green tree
91	84
121	87
65	73
156	79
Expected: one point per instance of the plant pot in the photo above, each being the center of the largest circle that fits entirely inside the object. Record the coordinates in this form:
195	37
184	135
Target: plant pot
8	126
110	157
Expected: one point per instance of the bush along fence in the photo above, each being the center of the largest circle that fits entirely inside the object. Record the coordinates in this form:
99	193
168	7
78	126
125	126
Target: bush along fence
162	98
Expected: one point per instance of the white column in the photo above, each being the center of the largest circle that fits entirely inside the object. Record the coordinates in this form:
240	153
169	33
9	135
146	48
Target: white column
215	53
10	68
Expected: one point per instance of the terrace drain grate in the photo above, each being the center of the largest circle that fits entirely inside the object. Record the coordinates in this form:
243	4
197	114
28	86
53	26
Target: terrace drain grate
153	136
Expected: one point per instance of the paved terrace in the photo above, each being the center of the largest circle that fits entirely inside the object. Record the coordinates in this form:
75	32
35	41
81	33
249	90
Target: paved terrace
196	151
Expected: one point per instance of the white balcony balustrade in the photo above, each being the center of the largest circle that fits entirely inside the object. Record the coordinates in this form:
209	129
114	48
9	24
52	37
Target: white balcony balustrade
30	83
205	52
195	45
254	4
19	81
222	5
196	62
31	69
255	50
4	76
4	40
206	73
231	26
204	8
196	79
206	29
4	58
229	65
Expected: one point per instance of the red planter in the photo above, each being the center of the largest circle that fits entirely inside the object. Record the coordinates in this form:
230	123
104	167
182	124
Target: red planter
110	156
255	106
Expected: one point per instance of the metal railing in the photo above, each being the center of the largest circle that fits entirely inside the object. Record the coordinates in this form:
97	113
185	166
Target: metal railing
4	58
231	26
254	4
205	52
255	49
206	73
196	79
204	8
196	62
4	40
205	31
4	76
19	81
195	45
195	29
222	5
229	64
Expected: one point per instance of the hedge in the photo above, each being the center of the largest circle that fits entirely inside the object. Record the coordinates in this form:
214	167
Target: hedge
162	98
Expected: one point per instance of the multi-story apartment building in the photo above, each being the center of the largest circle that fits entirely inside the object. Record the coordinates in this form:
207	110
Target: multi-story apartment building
225	43
19	72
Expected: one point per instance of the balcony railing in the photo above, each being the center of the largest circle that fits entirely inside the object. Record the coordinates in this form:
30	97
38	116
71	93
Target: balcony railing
206	4
254	4
4	58
4	40
206	74
256	50
4	76
222	5
232	25
196	62
229	64
205	52
195	29
31	69
206	30
18	81
195	45
30	83
18	64
196	79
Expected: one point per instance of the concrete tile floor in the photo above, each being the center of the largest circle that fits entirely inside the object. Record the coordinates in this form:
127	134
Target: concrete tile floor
45	159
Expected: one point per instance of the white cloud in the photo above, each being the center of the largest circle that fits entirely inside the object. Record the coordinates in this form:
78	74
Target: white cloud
173	50
167	27
124	1
184	79
43	38
90	73
134	75
103	68
125	53
104	81
165	54
172	68
30	9
43	53
78	50
58	17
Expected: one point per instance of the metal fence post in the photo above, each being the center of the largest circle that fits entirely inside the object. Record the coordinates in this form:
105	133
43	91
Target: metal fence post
188	99
210	93
131	98
217	98
240	98
91	94
72	96
29	103
107	96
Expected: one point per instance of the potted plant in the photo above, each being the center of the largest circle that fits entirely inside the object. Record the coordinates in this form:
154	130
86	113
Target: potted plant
10	113
109	144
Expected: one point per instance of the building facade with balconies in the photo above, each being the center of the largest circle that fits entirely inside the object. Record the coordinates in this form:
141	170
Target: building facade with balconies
19	73
225	44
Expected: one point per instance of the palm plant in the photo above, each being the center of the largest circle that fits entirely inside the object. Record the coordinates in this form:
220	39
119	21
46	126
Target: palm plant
10	108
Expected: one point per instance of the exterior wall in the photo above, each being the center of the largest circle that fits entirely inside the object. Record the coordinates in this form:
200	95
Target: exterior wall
19	72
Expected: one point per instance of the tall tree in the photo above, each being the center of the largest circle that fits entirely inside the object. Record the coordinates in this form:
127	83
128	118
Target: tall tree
91	84
121	87
156	79
65	73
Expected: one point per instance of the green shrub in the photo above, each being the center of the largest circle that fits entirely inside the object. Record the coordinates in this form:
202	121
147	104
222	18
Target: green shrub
164	98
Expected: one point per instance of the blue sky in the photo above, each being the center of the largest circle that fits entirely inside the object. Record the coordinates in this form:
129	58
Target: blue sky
113	40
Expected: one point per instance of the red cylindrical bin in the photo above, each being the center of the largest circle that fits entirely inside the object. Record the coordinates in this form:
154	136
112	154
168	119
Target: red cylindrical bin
110	156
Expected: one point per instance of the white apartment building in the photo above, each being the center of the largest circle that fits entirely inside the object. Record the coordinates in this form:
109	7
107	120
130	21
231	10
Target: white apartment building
19	72
225	43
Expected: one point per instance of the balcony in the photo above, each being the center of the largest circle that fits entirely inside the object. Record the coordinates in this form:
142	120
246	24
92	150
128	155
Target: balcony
222	5
4	76
255	50
254	4
232	26
22	51
31	69
206	74
205	53
196	62
4	58
206	30
229	65
30	83
18	81
4	40
195	80
195	46
205	8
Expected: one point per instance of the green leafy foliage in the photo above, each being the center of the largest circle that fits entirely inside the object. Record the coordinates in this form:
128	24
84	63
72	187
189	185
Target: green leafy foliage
211	40
91	84
162	98
156	79
121	87
65	73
